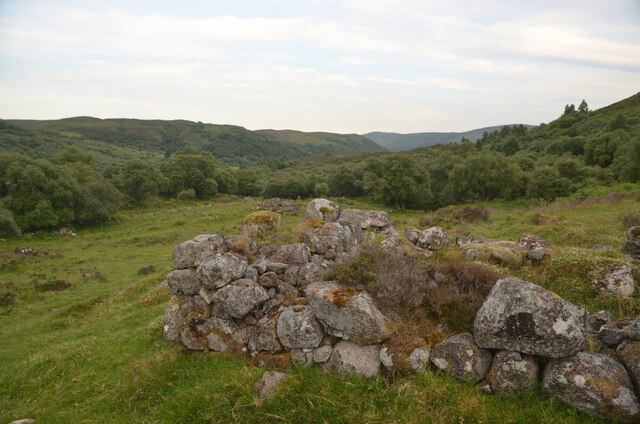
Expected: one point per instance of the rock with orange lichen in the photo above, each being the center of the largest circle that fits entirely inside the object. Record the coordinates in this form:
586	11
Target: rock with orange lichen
348	313
523	317
593	383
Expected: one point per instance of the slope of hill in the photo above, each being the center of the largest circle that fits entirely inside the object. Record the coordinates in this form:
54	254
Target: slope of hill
400	142
117	140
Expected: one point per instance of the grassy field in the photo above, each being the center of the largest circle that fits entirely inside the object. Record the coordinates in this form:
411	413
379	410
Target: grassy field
81	325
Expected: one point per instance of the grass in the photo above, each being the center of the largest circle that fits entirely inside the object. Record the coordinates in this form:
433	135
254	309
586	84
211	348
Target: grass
94	352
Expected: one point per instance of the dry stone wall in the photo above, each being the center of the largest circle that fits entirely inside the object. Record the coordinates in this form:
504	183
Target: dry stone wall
231	295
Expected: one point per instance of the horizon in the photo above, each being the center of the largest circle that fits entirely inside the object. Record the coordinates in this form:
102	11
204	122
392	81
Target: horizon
348	66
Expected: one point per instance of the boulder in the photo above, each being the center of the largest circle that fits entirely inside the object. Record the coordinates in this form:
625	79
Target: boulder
618	281
308	274
263	337
347	313
333	239
632	330
536	253
178	308
278	205
529	241
323	209
292	254
183	282
593	383
412	234
632	245
349	358
291	275
240	297
302	357
597	319
629	352
322	354
191	253
434	238
221	269
460	356
221	335
297	328
376	220
259	224
268	279
523	317
512	372
267	386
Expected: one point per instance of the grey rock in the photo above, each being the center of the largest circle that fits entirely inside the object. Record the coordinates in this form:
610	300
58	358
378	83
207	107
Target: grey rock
308	274
434	238
536	253
23	421
419	359
263	337
291	275
333	240
268	279
629	352
460	356
462	240
292	254
191	253
530	241
220	334
523	317
178	308
598	319
289	291
259	224
241	244
632	245
323	209
632	330
470	254
221	269
611	336
297	328
183	282
390	242
251	274
386	358
512	372
267	386
322	354
366	219
277	267
618	281
347	313
240	297
261	266
302	357
593	383
412	234
349	358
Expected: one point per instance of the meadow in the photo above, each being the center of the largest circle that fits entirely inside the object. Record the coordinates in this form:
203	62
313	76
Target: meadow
81	321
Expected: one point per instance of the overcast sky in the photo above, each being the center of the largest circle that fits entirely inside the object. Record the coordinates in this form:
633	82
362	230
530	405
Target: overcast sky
346	66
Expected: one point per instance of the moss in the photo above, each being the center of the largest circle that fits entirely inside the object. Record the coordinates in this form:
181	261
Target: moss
341	297
312	223
325	209
263	218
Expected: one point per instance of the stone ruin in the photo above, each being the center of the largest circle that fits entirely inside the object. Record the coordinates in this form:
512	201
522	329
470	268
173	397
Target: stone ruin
270	303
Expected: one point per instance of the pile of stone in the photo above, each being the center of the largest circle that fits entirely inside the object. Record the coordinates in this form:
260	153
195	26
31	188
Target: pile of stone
231	295
278	205
528	249
427	241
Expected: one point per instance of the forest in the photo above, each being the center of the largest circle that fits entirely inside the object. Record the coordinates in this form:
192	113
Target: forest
579	150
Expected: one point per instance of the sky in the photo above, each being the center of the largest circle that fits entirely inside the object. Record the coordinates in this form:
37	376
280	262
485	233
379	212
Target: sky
346	66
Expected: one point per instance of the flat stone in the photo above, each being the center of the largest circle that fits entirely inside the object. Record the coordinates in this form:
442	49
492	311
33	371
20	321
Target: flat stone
349	358
183	282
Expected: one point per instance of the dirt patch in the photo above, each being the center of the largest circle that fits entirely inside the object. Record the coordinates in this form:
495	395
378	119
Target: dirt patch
147	270
52	285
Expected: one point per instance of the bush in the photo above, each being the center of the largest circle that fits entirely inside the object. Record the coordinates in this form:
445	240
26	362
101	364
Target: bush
188	194
8	227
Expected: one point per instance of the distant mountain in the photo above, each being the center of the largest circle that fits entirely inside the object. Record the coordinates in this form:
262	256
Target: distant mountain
401	142
113	141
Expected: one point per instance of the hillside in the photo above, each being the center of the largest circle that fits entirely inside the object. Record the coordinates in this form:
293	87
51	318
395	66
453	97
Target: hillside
114	141
401	142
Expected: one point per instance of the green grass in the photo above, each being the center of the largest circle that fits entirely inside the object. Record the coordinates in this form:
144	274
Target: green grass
94	352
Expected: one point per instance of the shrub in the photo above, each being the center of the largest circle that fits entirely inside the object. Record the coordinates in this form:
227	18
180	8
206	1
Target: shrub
188	194
8	227
321	189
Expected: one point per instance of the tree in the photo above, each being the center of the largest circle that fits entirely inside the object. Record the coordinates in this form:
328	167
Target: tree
191	169
137	180
345	182
248	182
583	108
546	183
626	164
321	190
569	110
600	149
397	180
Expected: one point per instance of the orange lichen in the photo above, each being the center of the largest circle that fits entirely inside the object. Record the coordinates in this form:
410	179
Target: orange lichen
341	297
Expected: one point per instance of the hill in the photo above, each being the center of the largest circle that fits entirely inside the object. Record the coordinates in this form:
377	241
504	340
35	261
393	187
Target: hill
114	141
401	142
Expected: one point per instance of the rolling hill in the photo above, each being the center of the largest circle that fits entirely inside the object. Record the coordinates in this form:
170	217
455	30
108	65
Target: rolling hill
401	142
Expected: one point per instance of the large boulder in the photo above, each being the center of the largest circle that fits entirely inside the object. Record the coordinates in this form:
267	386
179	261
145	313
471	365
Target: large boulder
632	245
349	358
520	316
512	372
292	254
191	253
240	297
184	282
376	220
618	281
298	328
221	269
593	383
460	356
434	238
259	224
348	313
323	209
332	240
